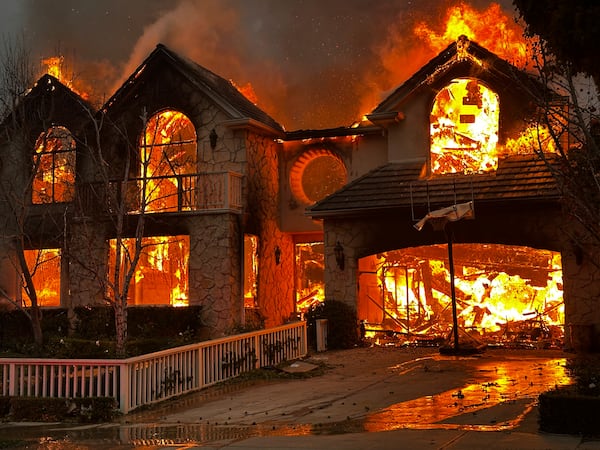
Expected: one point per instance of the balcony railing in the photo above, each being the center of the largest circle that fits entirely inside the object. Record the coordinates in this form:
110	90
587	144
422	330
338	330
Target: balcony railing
212	191
155	377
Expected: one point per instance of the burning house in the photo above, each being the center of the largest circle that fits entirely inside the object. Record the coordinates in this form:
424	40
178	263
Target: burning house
247	219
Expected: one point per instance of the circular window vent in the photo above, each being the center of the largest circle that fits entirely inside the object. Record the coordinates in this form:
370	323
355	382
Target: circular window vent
316	174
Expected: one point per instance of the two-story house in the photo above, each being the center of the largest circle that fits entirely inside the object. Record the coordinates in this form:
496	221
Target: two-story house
243	216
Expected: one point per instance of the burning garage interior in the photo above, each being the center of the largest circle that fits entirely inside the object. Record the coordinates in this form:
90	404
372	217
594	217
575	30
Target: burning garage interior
251	221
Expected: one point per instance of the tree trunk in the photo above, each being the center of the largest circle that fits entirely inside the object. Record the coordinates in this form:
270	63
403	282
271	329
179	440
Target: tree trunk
120	327
36	325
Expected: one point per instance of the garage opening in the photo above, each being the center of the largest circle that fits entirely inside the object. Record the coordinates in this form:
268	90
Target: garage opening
505	295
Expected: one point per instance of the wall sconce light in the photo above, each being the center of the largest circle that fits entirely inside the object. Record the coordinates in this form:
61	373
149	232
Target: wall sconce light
339	255
213	138
277	255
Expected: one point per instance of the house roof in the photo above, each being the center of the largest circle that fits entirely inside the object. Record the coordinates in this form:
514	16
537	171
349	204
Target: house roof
399	185
466	55
68	107
220	90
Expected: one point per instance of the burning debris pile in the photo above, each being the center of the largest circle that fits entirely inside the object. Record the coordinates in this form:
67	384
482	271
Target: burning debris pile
505	296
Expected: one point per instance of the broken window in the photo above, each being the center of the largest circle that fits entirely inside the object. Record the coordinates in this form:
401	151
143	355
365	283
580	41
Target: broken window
168	160
44	267
54	167
464	128
161	275
316	174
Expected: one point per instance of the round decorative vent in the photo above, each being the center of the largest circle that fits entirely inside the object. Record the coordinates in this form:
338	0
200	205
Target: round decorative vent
316	174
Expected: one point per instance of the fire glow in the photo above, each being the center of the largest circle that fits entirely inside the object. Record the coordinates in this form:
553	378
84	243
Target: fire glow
490	28
504	294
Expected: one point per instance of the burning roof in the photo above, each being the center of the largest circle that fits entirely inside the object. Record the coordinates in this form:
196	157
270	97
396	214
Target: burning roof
222	91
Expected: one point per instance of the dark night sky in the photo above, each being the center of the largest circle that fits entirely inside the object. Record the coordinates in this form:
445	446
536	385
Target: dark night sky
312	63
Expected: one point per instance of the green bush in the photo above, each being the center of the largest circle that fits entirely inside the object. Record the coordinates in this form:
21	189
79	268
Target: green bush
342	324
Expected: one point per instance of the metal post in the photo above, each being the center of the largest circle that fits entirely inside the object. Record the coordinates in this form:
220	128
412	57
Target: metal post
448	231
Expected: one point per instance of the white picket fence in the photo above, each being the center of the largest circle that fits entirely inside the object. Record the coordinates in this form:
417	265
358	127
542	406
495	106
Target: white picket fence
155	377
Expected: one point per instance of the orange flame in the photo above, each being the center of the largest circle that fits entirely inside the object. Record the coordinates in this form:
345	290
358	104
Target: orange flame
247	90
490	28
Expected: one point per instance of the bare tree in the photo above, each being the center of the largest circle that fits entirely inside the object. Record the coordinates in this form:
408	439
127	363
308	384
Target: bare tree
565	134
19	175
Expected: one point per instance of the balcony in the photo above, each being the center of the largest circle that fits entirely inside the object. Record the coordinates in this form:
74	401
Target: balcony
201	192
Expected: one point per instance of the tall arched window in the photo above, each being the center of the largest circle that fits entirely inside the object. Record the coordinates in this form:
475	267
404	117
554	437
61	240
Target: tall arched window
54	167
167	160
464	128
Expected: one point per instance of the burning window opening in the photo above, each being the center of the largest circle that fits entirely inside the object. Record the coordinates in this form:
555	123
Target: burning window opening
168	158
316	174
464	128
161	276
310	270
510	296
250	271
44	267
54	167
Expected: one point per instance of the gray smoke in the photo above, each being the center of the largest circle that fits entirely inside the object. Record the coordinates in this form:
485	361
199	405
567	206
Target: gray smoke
312	63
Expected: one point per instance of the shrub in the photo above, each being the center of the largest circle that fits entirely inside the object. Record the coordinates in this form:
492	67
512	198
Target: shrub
342	324
84	410
565	411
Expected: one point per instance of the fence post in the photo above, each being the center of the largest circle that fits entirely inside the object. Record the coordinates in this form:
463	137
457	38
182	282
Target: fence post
12	380
124	388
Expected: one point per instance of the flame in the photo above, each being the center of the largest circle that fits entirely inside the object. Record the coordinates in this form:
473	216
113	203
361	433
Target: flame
464	128
492	303
491	28
55	66
161	276
533	139
247	90
167	151
44	266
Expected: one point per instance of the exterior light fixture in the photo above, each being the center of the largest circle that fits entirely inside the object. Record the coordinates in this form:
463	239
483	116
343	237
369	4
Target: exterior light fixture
213	138
339	255
277	255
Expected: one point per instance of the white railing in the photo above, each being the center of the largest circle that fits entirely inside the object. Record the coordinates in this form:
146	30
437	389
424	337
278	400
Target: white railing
151	378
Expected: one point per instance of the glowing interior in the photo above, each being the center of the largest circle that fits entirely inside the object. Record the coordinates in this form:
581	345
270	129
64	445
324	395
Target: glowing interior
464	128
161	276
54	165
167	154
44	266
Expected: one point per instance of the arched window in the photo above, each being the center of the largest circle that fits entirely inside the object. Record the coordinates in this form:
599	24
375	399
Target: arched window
316	174
54	167
464	128
167	160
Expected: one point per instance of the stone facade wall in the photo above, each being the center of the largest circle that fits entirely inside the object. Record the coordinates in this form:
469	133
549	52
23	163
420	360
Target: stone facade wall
275	281
215	276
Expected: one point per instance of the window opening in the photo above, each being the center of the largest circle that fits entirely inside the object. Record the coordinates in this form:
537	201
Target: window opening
464	126
161	276
310	270
44	267
54	167
168	160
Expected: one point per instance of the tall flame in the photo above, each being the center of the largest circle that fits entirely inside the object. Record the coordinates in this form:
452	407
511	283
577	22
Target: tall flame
491	28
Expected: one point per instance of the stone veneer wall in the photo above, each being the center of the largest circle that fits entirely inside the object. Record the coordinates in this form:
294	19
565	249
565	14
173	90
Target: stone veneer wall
215	276
275	281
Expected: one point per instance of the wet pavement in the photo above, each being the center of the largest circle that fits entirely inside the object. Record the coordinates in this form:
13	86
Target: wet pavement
365	398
